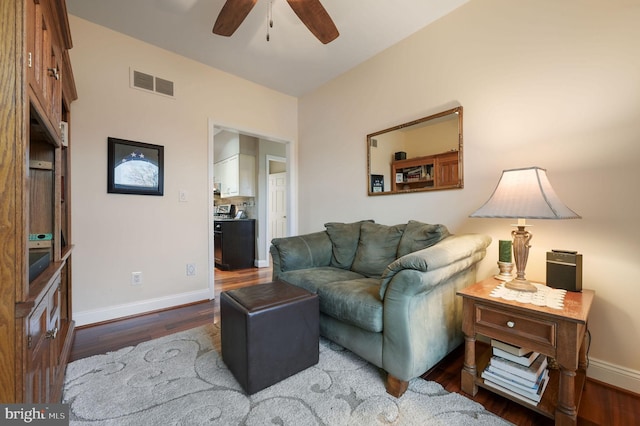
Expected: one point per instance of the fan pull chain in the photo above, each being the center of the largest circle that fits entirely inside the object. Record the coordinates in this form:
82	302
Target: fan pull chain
269	17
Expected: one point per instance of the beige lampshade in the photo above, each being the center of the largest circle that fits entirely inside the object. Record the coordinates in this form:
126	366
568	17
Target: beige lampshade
525	194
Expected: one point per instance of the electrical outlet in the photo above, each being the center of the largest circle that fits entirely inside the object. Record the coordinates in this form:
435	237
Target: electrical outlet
136	278
183	196
191	269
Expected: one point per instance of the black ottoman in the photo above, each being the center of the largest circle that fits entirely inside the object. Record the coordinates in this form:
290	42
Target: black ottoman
268	333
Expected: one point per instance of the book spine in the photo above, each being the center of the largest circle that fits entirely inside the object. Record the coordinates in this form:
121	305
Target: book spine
515	350
512	377
525	360
512	393
529	373
513	384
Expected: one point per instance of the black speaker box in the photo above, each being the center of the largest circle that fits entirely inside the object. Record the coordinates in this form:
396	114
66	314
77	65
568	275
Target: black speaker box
564	270
401	155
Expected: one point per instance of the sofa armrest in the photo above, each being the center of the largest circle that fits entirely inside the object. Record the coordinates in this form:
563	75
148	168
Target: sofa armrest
300	252
445	256
422	314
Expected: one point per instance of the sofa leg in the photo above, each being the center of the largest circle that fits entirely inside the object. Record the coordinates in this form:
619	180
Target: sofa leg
395	386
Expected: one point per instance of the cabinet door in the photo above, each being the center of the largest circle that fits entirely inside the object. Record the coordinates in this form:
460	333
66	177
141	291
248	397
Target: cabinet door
43	59
38	353
54	95
447	170
237	176
53	329
246	175
229	179
231	176
44	363
37	36
222	172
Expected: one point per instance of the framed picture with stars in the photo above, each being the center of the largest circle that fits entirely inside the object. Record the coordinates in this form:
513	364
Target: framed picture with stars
135	167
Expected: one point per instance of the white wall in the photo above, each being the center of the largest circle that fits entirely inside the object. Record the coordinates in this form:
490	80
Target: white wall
545	83
116	234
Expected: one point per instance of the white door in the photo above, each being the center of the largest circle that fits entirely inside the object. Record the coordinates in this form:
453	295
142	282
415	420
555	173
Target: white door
277	205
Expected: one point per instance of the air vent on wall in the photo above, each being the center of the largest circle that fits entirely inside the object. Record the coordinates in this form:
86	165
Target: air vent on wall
150	83
142	80
164	87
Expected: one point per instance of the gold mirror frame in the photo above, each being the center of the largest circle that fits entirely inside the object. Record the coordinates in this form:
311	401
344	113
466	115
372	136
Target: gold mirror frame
421	155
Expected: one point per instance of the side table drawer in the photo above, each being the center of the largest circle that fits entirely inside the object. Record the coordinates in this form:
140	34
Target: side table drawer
534	333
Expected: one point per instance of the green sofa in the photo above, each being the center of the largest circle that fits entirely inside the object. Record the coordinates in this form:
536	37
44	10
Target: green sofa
387	293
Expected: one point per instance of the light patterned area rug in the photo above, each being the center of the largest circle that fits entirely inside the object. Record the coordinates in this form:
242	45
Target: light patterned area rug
181	380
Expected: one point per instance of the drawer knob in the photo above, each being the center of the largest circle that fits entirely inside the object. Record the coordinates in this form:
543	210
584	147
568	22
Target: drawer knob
510	324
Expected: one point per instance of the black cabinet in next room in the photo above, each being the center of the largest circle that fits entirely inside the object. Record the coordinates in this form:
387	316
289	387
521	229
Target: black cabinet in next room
234	243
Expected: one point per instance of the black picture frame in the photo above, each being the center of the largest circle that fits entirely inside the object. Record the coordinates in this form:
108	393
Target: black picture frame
377	183
134	167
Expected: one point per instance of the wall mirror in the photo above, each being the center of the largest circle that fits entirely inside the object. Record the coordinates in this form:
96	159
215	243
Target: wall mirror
422	155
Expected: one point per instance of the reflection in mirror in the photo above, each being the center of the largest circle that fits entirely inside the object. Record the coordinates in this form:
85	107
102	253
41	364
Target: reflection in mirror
422	155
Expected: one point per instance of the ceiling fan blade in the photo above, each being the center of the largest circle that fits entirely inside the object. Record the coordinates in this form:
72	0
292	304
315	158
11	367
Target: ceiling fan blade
316	18
231	16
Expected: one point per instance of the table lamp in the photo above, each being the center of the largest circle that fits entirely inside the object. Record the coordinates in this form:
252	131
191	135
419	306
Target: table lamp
524	194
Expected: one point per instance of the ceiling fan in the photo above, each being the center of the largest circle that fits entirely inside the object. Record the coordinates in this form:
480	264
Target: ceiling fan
310	12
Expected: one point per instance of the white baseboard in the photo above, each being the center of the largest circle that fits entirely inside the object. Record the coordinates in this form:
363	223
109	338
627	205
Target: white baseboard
612	374
261	263
136	308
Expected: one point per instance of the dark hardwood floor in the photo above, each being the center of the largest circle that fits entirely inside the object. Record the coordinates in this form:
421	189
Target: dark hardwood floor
601	404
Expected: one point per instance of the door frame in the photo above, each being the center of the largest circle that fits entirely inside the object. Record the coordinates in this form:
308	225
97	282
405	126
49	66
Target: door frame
292	200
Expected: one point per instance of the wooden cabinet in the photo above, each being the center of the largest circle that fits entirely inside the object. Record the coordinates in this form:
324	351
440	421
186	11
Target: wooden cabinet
447	170
556	333
234	243
44	47
432	171
43	360
35	269
236	176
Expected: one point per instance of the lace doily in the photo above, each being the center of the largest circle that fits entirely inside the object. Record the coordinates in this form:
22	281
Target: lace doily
545	296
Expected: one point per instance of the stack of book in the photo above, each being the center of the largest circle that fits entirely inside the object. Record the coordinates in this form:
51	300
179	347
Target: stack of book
517	371
414	174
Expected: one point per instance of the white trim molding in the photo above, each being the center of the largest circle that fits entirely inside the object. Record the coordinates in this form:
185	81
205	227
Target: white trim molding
615	375
137	308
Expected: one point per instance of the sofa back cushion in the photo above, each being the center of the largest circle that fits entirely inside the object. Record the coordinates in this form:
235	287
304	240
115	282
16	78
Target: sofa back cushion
377	248
344	241
418	236
303	251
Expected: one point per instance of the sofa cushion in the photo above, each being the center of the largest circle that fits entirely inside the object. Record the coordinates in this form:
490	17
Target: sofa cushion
354	302
304	251
344	239
377	248
313	278
418	235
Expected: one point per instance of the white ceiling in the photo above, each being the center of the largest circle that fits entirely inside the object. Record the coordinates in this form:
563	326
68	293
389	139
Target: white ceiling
293	61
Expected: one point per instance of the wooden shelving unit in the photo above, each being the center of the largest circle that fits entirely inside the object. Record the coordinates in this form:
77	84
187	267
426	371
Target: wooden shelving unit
35	304
433	171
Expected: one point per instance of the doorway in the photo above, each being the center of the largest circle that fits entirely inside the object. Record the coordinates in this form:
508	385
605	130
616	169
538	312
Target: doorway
273	155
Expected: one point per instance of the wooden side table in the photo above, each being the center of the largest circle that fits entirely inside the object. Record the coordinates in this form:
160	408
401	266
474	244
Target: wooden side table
557	333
